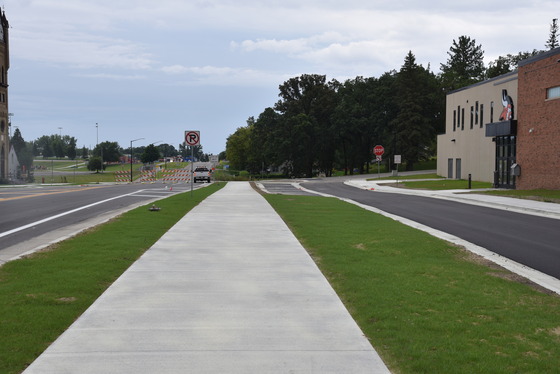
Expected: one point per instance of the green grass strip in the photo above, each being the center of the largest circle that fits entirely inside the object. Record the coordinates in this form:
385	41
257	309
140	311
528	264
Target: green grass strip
40	296
539	195
446	184
425	305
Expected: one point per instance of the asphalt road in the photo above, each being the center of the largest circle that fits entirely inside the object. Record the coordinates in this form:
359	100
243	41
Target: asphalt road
530	240
30	212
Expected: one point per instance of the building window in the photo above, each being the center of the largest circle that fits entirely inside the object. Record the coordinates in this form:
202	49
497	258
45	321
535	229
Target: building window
454	120
481	115
472	116
462	118
491	112
553	93
476	113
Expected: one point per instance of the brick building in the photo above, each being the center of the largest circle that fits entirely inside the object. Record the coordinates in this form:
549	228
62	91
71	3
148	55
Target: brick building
4	118
538	131
506	130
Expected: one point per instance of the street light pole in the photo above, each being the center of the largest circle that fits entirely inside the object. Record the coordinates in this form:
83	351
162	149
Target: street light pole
131	157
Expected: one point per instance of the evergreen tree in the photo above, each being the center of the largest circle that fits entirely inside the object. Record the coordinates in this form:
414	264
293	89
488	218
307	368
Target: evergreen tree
465	65
420	111
552	41
17	141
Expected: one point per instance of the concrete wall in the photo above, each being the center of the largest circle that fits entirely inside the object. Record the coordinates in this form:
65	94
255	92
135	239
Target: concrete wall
469	144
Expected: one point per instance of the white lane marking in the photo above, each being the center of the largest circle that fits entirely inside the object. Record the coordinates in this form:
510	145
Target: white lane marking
17	229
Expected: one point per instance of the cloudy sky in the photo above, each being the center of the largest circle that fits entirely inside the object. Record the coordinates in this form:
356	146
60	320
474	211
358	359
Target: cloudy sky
153	69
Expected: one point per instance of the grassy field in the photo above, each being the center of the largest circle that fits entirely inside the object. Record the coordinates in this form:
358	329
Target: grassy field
425	305
40	296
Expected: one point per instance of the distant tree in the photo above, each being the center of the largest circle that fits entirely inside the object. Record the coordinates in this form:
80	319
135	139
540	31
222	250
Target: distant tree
71	148
23	149
552	41
17	141
508	63
465	64
95	164
501	65
186	152
109	151
167	150
151	154
43	147
85	153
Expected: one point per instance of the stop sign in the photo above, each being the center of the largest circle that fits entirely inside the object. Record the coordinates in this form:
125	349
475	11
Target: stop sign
378	150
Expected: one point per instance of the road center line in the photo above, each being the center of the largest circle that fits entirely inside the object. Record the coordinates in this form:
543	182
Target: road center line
62	215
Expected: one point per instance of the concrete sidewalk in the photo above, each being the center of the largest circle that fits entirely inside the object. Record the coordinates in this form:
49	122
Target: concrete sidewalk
537	208
228	289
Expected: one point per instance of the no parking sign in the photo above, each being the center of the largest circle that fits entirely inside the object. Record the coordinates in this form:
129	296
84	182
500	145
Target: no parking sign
192	138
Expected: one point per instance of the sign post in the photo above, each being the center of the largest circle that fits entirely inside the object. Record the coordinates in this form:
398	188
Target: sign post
192	138
397	162
378	150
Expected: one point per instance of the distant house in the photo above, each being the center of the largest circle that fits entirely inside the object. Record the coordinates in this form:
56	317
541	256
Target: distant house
506	130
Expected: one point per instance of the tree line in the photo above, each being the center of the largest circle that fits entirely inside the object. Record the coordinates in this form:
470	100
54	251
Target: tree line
64	147
318	125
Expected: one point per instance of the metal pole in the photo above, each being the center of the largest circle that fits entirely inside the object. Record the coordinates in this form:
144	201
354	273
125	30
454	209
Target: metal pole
192	169
131	161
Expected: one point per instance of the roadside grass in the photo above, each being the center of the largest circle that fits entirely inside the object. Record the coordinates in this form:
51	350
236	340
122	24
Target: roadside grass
446	184
426	305
409	177
41	295
539	195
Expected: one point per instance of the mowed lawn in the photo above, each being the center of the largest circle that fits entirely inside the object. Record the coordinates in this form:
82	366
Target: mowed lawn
427	306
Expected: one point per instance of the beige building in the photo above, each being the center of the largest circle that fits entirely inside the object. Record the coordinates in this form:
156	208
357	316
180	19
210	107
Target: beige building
4	118
478	139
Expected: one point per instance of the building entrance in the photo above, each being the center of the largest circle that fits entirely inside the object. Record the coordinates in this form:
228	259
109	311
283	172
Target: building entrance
505	157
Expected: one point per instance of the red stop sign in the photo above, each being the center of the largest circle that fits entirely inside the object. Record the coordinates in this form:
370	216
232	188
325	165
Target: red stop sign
378	150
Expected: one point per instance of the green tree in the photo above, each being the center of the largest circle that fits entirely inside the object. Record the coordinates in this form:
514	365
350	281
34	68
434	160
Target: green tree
237	148
306	105
108	151
420	111
151	154
95	164
167	150
17	141
43	147
85	153
71	148
23	149
552	41
508	63
465	64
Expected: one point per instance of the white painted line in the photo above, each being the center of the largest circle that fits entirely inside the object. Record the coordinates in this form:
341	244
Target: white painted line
6	233
542	279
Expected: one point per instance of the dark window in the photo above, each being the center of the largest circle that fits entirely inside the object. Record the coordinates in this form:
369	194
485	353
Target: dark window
476	113
454	120
472	116
491	111
462	118
481	115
